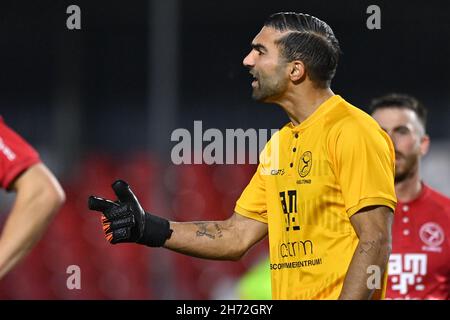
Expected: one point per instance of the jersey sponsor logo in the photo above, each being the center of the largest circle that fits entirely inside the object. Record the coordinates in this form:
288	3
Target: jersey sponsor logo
305	164
304	181
406	271
9	154
295	264
433	236
296	248
289	205
275	172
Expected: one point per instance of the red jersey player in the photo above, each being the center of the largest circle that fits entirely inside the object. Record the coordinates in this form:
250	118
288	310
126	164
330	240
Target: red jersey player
419	265
38	198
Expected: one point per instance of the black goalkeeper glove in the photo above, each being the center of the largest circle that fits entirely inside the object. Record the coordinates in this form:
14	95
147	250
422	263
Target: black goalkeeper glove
126	221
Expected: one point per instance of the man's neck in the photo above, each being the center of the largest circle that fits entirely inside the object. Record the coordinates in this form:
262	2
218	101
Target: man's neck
409	189
300	104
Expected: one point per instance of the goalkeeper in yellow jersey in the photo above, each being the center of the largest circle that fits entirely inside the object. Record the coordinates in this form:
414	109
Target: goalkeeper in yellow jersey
323	191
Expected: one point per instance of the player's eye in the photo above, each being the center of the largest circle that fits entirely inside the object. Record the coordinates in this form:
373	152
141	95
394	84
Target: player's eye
259	52
402	130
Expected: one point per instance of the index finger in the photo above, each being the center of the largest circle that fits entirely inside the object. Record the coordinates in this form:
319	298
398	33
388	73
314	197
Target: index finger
100	204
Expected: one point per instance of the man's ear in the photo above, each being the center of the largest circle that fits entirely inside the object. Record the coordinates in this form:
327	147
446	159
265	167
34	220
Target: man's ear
424	144
298	71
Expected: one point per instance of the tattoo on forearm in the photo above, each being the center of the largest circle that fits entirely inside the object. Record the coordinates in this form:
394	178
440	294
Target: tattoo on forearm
219	230
366	246
202	230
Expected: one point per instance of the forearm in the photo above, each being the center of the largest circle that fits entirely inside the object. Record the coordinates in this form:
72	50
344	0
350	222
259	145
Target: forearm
371	251
208	240
25	225
126	221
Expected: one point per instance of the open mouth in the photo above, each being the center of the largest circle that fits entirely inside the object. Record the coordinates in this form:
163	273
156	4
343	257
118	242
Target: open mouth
255	81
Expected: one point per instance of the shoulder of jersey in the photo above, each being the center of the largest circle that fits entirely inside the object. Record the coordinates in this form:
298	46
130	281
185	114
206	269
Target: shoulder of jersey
346	116
440	198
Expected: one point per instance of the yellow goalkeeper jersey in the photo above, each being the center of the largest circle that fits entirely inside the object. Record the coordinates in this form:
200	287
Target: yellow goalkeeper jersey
311	179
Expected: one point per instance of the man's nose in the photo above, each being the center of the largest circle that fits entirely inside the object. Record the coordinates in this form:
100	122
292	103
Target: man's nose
248	61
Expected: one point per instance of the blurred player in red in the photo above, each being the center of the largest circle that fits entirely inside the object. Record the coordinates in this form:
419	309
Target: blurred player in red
419	265
39	196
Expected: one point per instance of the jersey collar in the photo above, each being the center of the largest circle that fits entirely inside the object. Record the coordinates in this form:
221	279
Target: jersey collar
326	106
423	194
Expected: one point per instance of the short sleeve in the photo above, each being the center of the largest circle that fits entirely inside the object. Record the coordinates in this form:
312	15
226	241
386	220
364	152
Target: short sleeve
252	202
16	155
365	160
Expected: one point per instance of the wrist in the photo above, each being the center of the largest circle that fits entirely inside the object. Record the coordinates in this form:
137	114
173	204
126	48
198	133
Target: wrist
156	231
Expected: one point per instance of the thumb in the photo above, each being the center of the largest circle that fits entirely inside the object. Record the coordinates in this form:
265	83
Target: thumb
123	191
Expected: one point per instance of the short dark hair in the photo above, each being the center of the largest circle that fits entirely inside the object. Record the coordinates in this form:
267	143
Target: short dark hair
401	100
310	40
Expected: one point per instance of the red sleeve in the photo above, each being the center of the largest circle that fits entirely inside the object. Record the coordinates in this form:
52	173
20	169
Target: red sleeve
16	155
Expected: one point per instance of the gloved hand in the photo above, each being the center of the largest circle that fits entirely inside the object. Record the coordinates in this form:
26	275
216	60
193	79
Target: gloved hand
126	221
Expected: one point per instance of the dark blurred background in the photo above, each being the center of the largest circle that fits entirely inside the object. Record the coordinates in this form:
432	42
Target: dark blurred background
100	103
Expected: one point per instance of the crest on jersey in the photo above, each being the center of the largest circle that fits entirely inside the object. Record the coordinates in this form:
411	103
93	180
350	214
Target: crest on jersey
305	164
432	236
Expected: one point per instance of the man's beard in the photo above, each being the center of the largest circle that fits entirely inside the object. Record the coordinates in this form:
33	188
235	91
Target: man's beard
408	167
269	87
